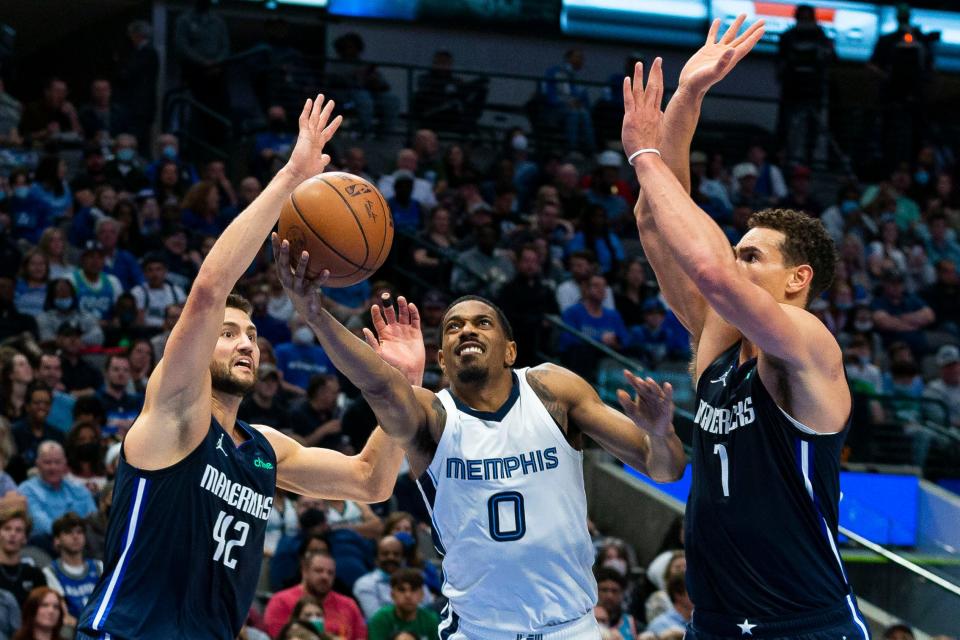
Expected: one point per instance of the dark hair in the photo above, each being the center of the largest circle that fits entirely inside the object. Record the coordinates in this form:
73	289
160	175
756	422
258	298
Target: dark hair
91	405
303	602
297	625
676	587
29	614
115	356
406	577
237	301
806	241
35	386
52	294
603	574
66	522
501	317
305	544
46	174
318	382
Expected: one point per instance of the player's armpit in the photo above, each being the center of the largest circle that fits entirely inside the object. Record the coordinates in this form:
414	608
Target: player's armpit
368	476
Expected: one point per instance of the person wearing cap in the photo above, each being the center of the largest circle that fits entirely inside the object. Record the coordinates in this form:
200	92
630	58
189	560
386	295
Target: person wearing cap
711	187
946	387
899	315
745	177
422	190
157	293
97	291
79	377
265	405
611	164
71	574
654	340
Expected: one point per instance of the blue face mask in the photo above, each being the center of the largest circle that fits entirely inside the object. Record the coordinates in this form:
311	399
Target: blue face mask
849	206
921	177
126	155
21	192
170	152
63	304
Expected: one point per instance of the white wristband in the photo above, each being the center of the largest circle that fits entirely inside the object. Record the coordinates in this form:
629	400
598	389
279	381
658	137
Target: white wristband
633	156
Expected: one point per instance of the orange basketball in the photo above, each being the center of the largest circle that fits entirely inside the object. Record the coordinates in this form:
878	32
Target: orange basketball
343	222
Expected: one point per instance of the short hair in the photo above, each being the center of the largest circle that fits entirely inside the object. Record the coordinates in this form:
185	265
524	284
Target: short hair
7	515
501	316
319	381
91	405
806	241
676	587
310	555
35	386
406	577
114	356
585	254
237	301
305	544
66	523
603	574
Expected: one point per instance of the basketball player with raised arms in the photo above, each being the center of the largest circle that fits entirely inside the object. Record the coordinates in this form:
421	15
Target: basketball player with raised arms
499	459
773	402
195	486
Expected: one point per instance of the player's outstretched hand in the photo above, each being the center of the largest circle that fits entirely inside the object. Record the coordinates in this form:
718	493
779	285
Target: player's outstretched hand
399	339
307	158
652	407
716	58
305	293
642	118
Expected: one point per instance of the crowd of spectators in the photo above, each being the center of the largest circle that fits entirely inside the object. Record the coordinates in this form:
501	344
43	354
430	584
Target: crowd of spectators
103	227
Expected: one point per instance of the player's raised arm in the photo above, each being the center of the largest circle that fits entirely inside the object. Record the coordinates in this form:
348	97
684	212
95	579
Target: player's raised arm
402	410
642	438
178	393
710	64
789	334
370	475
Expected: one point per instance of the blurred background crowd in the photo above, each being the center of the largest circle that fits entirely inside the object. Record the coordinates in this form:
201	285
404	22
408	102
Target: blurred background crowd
108	206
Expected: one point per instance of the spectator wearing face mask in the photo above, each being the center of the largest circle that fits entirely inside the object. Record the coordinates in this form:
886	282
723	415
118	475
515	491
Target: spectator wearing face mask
302	358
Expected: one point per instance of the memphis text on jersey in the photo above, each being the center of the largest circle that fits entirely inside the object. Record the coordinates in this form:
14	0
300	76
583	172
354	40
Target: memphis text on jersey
235	494
714	420
503	468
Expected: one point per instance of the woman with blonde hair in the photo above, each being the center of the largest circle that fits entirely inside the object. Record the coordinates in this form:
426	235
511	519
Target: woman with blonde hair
53	244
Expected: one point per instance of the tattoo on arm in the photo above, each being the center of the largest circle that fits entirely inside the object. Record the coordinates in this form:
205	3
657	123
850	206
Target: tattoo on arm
537	381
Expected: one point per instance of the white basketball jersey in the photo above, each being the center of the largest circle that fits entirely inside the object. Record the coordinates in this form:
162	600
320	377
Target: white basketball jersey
505	492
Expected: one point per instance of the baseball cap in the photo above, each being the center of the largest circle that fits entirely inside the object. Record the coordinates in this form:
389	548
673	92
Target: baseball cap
744	169
947	354
610	158
91	245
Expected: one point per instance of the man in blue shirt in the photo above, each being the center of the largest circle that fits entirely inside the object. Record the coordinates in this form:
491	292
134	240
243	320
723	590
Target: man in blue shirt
901	316
592	318
571	101
302	358
672	623
50	496
117	261
121	408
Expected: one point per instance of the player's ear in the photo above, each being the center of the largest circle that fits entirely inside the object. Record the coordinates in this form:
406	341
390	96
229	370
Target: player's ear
440	360
800	277
511	354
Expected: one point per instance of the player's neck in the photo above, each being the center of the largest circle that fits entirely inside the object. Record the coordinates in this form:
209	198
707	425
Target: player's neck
488	395
224	409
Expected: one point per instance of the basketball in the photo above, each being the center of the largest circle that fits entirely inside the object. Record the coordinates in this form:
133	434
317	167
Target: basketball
343	222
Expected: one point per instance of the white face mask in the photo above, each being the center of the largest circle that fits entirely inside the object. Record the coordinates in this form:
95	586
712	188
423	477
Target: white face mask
617	564
303	336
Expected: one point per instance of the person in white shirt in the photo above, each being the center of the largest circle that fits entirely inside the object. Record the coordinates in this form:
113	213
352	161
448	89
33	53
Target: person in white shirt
372	590
157	293
422	189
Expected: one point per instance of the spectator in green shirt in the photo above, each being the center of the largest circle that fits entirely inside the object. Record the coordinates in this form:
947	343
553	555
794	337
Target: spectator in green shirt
405	614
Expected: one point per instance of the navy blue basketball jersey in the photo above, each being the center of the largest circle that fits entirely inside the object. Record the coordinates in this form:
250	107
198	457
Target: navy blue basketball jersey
184	544
761	520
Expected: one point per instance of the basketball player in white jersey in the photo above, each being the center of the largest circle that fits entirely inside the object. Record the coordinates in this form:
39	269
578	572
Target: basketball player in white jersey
501	463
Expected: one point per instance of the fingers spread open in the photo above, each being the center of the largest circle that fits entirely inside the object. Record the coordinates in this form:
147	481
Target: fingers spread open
304	119
331	128
414	316
750	31
714	30
731	33
316	114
